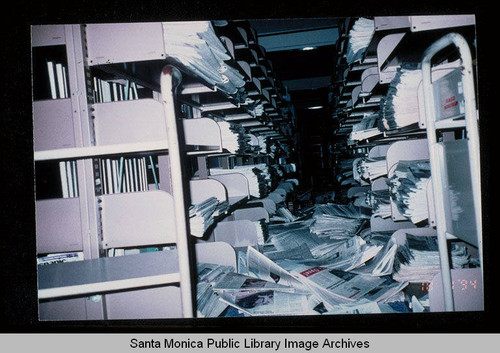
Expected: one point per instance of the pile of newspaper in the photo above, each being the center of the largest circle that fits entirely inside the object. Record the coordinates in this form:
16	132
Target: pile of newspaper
408	189
201	215
401	106
295	271
365	129
195	46
337	221
380	203
370	168
258	179
234	137
418	259
289	287
359	38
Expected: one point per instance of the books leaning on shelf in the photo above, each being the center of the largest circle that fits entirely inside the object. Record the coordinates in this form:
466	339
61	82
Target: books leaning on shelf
58	80
123	175
400	106
69	178
105	91
257	175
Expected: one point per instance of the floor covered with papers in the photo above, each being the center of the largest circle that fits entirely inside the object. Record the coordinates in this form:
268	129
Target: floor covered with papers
328	262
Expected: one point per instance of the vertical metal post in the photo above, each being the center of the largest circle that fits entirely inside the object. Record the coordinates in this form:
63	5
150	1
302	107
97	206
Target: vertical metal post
202	167
84	137
167	93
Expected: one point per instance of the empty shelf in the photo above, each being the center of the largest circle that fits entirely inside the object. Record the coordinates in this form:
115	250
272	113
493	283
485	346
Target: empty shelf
107	274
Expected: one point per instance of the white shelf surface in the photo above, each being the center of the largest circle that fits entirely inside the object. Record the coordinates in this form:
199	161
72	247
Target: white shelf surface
95	151
87	277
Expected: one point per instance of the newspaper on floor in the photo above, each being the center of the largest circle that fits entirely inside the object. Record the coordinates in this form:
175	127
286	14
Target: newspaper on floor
339	287
301	252
211	273
208	303
337	221
300	244
286	215
382	263
365	306
261	267
270	302
346	255
234	282
335	227
344	211
294	237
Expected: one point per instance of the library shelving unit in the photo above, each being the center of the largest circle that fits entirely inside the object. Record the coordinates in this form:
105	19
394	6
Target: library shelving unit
443	131
115	131
118	220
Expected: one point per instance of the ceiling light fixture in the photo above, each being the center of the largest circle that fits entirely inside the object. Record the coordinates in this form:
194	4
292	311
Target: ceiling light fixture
315	107
308	48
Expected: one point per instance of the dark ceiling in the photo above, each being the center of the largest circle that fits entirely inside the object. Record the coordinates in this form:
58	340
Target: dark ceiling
284	41
307	74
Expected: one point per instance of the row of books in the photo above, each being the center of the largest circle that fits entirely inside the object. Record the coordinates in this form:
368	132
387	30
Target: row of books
104	91
69	178
58	80
123	174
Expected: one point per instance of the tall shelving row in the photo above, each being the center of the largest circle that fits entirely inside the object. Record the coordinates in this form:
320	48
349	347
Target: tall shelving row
429	125
127	136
